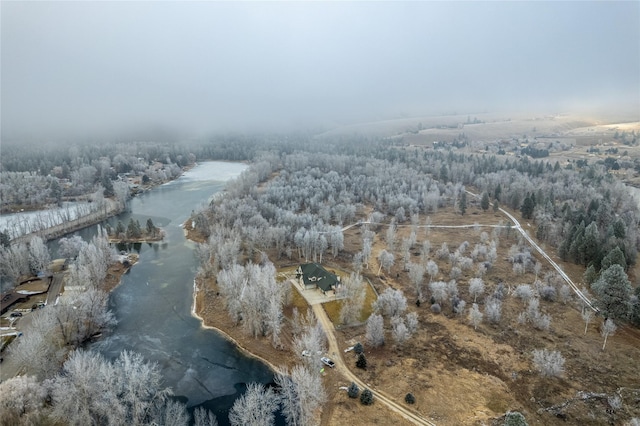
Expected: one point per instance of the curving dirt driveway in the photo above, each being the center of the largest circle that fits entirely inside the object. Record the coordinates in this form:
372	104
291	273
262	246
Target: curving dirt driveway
341	367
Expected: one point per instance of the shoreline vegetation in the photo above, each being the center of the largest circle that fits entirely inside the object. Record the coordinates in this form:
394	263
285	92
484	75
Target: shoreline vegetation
112	207
215	317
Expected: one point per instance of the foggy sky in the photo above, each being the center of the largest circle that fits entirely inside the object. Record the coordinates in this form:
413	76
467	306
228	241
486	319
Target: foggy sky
83	67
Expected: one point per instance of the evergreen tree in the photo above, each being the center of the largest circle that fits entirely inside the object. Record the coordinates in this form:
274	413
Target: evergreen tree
527	207
151	228
120	228
590	275
353	391
462	203
133	229
366	397
614	257
5	240
108	186
613	291
589	250
484	203
361	362
497	192
410	399
444	174
619	229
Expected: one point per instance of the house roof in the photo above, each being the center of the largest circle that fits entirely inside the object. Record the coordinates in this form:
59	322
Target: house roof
312	273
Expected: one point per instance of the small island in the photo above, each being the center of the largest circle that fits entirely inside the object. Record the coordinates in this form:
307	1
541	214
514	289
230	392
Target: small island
134	233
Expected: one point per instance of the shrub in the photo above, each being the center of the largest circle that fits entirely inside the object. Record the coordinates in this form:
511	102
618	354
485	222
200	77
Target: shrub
353	390
361	362
366	397
514	418
548	363
358	348
410	399
549	293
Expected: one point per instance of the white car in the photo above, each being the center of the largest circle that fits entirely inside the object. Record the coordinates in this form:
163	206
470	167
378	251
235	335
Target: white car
327	361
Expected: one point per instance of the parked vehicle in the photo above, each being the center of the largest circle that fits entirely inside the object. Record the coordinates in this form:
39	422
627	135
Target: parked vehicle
327	361
16	314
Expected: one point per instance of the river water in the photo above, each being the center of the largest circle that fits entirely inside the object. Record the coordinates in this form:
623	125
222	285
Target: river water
153	304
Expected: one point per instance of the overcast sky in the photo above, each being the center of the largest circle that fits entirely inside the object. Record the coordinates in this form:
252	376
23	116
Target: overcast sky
81	67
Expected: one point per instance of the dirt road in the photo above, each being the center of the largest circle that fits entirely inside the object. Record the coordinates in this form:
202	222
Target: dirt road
341	367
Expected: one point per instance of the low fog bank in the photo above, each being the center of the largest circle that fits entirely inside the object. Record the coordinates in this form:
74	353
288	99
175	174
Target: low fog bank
102	71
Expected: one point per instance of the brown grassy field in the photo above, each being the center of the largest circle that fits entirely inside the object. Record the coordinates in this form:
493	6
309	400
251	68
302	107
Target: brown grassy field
462	376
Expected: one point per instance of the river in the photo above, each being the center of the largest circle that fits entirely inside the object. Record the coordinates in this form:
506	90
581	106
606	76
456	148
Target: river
153	304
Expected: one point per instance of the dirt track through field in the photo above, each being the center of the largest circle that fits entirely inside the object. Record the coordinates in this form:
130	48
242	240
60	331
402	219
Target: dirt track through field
341	367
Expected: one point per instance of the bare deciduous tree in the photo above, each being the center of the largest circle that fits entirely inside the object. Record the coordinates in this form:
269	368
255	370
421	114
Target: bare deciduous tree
386	260
608	329
399	330
39	257
204	417
354	295
475	316
432	269
493	310
548	363
375	330
23	400
255	407
301	394
587	316
476	288
391	303
438	291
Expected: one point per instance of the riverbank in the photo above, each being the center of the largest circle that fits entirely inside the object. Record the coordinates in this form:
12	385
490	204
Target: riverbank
236	341
113	208
209	308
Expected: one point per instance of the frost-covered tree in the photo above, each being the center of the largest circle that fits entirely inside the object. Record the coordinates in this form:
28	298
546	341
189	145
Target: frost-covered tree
524	292
391	303
204	417
23	401
548	363
92	390
312	340
399	330
255	407
608	329
432	269
587	316
493	310
476	288
475	316
301	395
438	291
613	291
70	247
412	322
39	257
375	330
386	260
416	275
353	292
